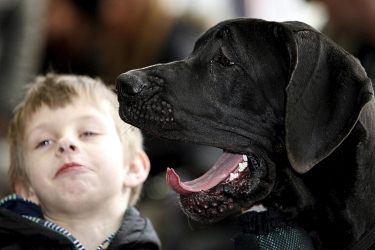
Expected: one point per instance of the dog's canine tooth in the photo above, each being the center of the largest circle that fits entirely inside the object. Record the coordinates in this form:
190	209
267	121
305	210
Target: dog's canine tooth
244	157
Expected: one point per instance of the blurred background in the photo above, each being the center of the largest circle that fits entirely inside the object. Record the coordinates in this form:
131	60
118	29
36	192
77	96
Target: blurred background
104	38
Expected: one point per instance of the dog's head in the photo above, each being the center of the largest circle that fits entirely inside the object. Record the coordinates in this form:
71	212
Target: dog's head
261	91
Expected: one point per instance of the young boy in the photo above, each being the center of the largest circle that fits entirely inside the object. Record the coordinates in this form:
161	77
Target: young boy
76	170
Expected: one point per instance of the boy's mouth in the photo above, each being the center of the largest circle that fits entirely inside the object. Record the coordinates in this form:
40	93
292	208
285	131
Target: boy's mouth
69	167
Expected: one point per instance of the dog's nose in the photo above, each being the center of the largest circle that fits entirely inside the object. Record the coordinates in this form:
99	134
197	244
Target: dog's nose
129	84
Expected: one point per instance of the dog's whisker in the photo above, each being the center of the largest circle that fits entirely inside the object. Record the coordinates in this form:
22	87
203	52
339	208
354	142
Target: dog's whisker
188	221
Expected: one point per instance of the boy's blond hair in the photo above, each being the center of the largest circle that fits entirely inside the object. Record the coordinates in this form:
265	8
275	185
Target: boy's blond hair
57	91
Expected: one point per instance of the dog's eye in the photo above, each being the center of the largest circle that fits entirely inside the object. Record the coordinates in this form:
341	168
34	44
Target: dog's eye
223	60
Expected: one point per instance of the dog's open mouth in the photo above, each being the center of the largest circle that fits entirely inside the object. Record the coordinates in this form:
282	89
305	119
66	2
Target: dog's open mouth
229	168
224	189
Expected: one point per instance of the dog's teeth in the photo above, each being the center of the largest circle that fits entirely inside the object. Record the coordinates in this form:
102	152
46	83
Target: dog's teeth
244	157
242	166
233	176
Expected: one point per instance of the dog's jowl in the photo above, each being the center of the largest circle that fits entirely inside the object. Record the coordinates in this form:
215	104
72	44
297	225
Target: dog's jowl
294	114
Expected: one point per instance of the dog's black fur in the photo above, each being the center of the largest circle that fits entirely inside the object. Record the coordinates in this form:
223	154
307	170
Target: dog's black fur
285	95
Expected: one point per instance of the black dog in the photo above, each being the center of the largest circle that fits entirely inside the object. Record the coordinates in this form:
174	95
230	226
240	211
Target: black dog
300	109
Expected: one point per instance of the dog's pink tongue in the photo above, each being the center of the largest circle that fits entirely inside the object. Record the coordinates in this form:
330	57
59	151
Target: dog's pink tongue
227	164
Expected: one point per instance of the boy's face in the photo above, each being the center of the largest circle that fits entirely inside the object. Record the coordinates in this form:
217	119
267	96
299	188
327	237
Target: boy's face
73	157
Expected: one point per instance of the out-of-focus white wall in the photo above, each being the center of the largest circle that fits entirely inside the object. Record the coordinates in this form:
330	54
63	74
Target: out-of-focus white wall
311	13
214	11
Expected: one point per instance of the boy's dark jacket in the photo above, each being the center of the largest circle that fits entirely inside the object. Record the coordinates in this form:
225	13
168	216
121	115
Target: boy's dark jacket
17	232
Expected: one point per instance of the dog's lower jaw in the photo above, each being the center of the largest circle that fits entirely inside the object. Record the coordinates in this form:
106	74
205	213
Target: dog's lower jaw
213	205
210	206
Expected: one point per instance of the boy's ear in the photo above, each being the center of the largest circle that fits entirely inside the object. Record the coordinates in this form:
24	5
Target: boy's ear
23	188
138	170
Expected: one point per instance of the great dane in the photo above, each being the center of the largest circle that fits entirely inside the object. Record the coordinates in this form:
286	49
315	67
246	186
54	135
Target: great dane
293	112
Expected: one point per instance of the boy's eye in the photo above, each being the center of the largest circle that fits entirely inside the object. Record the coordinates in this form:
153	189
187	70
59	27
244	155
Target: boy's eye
44	143
88	133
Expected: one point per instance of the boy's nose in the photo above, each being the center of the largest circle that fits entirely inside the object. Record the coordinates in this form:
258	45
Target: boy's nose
66	146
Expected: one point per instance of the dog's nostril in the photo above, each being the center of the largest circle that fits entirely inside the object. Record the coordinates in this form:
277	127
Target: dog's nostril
121	92
128	84
134	89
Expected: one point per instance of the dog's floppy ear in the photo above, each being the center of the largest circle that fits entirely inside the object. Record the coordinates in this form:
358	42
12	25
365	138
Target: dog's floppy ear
326	92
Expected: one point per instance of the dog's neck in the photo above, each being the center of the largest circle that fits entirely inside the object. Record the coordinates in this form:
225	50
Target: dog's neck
364	199
344	183
337	195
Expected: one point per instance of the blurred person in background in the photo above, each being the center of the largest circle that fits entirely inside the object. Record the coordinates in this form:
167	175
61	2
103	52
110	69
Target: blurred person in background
70	37
21	42
109	37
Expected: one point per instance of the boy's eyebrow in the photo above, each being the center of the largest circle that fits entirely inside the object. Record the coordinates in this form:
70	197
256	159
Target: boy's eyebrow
89	117
45	125
30	132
